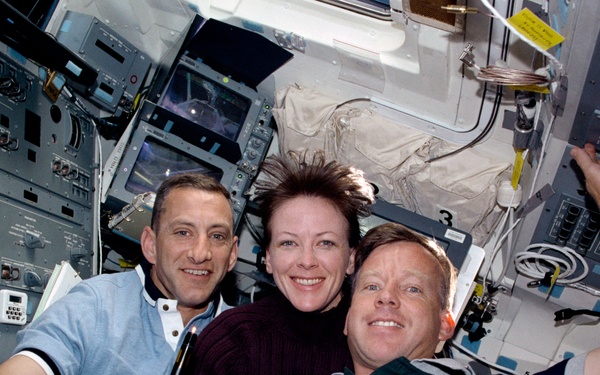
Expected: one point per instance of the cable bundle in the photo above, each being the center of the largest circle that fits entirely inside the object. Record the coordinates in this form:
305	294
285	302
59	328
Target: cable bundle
509	76
536	264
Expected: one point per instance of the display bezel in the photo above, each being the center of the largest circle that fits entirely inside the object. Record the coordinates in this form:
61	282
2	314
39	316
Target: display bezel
257	110
145	132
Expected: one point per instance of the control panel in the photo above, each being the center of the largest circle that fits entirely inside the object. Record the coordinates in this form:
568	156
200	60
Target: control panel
48	144
571	218
575	226
258	142
47	172
121	67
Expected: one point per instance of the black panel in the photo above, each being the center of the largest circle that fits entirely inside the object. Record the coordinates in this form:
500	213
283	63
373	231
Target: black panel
243	55
33	128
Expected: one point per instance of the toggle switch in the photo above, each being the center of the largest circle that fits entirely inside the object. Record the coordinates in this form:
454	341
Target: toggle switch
34	240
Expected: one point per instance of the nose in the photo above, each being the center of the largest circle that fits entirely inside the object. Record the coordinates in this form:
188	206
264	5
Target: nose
307	258
387	298
200	251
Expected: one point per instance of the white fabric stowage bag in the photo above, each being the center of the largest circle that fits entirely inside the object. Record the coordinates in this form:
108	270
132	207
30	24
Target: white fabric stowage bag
459	190
301	116
379	147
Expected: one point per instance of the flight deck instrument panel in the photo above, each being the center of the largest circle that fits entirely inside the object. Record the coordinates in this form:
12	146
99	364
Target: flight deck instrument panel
47	168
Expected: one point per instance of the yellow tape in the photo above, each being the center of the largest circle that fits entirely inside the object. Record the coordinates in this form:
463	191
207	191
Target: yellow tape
517	169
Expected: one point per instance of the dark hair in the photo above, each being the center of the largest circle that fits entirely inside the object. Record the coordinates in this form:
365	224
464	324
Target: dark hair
197	181
393	232
299	175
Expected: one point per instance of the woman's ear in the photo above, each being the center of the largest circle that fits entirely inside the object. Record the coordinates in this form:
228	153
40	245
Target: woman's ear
268	261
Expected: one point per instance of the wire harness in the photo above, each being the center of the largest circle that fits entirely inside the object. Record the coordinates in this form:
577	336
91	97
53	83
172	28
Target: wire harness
537	265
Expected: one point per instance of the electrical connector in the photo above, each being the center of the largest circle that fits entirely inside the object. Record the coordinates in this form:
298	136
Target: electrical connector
467	56
566	314
460	9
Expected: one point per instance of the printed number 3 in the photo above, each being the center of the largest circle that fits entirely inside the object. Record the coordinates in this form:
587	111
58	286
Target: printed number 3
446	218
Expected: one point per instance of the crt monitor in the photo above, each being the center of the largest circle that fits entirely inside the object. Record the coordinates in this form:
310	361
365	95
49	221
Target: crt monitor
156	161
151	156
205	102
215	113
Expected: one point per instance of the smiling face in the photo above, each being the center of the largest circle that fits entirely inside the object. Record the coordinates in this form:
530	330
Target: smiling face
396	307
193	248
309	254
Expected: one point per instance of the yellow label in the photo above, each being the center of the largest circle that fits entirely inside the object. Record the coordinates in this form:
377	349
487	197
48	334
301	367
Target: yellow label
535	29
532	88
517	169
553	280
478	291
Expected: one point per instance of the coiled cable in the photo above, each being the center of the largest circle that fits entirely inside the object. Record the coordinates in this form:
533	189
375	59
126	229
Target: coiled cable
536	264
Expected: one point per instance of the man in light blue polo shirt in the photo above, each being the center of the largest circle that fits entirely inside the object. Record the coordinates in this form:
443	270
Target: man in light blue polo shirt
133	322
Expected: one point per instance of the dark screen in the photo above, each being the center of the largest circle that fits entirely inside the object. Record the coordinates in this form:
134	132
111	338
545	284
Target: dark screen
206	103
158	161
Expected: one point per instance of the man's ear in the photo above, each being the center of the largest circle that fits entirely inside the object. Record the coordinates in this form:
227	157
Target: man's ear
346	325
446	329
350	268
447	326
234	253
148	242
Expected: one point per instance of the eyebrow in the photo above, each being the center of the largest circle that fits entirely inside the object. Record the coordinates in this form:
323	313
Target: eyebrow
225	226
316	235
189	223
407	273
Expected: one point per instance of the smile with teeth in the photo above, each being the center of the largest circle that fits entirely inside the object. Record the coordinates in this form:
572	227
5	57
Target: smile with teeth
197	272
307	282
389	323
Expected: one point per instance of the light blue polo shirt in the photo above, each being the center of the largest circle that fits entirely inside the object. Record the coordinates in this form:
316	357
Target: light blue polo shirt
111	324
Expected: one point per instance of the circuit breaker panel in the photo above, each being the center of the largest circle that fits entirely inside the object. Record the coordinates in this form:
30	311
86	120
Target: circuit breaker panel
47	157
571	218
